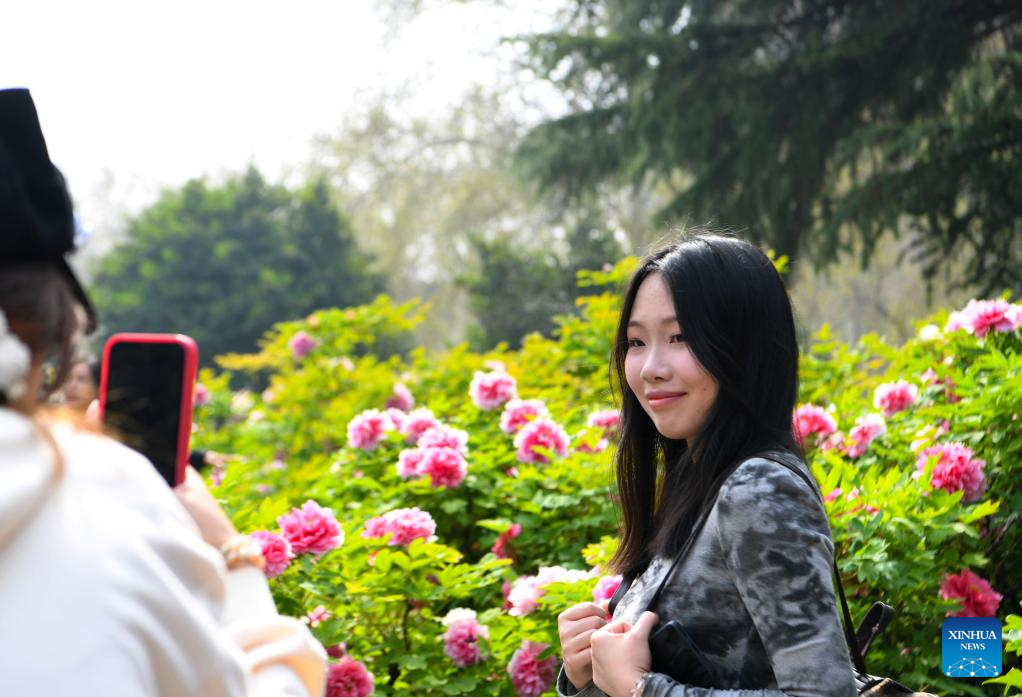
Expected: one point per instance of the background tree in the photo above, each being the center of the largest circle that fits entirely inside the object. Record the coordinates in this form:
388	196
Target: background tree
819	125
514	291
224	263
437	202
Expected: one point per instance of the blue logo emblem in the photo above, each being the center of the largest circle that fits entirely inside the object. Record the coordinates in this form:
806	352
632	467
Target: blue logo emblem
971	647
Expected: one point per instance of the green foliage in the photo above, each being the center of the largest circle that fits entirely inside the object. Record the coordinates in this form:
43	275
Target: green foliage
897	536
817	125
439	206
515	291
223	263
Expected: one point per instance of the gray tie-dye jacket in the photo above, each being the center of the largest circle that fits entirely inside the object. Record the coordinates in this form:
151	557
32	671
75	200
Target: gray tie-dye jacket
755	594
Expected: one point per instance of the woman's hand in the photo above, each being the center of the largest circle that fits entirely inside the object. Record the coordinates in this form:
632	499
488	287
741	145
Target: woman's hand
575	627
621	654
215	526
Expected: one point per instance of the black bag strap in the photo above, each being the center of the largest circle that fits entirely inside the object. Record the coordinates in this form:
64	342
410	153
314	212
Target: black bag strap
854	646
627	581
683	552
855	649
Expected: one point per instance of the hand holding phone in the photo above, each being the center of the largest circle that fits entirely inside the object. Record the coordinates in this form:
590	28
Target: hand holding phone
146	397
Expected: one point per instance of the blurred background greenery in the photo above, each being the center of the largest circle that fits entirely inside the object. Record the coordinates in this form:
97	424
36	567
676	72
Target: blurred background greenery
876	144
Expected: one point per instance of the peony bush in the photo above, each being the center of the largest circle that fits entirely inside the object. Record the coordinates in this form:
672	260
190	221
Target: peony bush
430	514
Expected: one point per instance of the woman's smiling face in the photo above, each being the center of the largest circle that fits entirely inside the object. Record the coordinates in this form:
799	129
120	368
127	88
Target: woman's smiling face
661	370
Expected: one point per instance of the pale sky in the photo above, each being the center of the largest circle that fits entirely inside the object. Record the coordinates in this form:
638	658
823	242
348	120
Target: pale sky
137	95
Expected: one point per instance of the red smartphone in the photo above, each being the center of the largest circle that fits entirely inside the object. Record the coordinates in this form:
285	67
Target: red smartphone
145	397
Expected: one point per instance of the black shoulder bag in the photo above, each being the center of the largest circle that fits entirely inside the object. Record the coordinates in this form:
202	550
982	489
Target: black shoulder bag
675	654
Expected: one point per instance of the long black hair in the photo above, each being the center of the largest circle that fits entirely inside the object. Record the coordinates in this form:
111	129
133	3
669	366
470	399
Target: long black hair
738	322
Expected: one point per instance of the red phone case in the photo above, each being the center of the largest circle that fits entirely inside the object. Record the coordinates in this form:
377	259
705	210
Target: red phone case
191	363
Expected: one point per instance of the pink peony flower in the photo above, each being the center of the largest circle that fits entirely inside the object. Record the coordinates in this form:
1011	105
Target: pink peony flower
409	463
524	595
338	650
892	397
366	430
311	529
835	441
608	419
417	423
401	399
201	396
441	436
315	617
402	524
302	344
500	546
977	596
491	390
461	641
867	429
957	469
518	412
530	675
598	447
986	315
348	678
396	418
979	317
276	551
810	419
540	433
605	588
835	494
527	590
445	466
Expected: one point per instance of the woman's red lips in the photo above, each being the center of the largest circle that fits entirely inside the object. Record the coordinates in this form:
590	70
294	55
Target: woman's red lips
663	399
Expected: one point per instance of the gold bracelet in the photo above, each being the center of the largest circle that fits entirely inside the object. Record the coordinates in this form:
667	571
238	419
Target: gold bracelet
242	550
639	686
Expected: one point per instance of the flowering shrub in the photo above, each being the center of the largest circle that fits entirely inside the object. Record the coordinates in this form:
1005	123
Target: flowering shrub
956	469
461	640
976	596
491	390
538	439
311	529
530	674
519	412
367	429
460	497
402	526
276	550
811	419
348	678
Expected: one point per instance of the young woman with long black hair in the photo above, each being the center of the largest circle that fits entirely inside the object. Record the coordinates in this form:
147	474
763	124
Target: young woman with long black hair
707	359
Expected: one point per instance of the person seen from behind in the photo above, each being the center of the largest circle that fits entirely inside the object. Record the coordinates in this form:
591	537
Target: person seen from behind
112	583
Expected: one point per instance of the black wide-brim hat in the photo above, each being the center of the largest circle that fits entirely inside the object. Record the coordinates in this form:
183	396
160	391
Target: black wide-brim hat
37	221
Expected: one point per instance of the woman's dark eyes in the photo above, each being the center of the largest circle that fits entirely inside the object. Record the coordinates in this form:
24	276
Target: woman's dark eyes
675	338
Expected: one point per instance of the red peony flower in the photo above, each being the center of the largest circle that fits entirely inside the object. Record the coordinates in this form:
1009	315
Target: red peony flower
977	596
311	529
349	678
